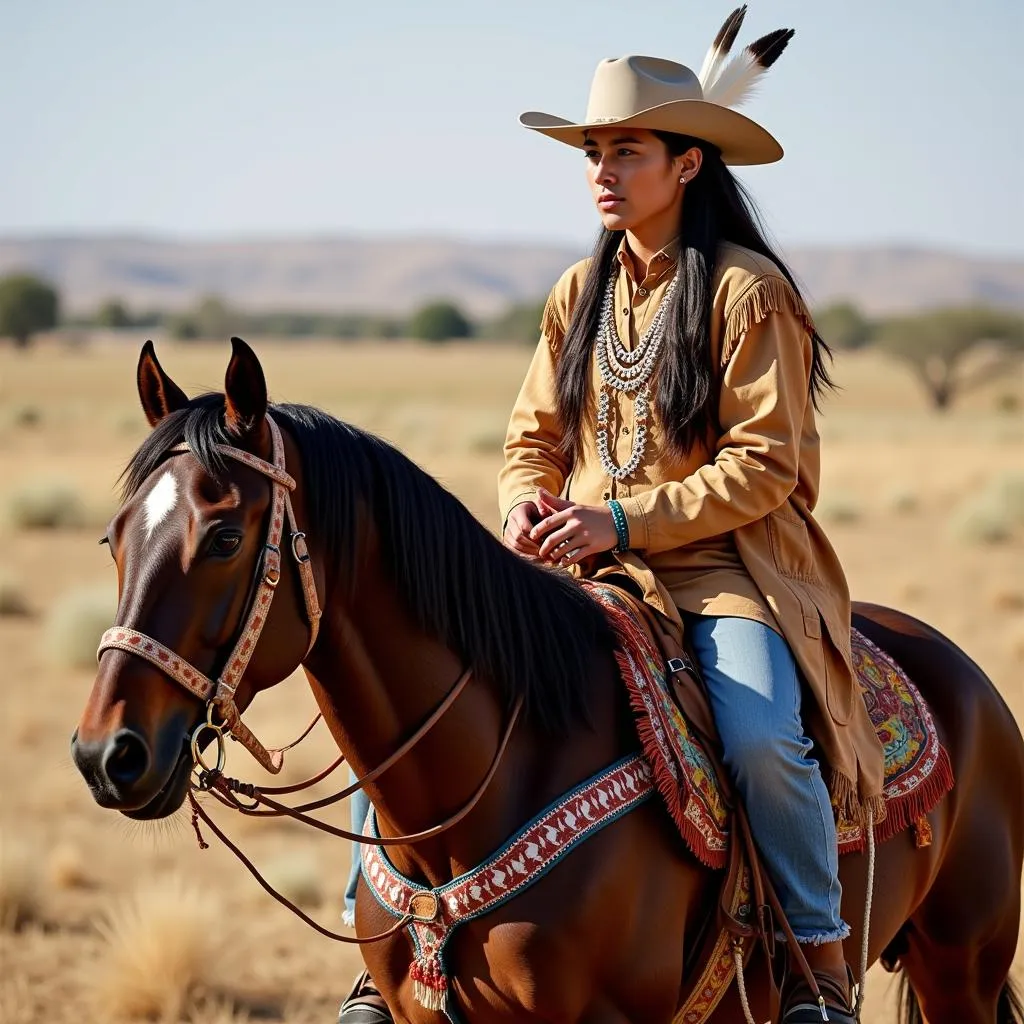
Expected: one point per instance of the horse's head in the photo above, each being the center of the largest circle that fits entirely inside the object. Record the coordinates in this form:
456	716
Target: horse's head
195	574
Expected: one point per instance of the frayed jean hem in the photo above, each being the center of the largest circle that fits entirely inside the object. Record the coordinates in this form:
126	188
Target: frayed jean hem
818	938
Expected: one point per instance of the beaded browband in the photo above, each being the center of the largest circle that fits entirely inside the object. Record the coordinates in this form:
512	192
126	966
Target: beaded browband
219	694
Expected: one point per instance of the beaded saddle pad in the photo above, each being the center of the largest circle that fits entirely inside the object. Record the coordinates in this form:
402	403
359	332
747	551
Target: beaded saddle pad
917	768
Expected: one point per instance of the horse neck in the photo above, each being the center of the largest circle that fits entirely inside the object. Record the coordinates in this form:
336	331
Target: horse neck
377	678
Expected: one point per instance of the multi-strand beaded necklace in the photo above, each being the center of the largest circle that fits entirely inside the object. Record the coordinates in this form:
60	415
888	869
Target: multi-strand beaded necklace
629	372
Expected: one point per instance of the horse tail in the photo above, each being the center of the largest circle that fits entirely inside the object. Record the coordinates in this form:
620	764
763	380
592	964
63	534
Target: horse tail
1011	1006
910	1008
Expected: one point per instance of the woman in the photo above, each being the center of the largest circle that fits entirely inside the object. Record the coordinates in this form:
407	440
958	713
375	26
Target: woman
670	403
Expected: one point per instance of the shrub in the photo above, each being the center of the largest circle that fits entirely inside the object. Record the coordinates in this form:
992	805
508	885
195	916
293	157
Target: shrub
839	508
991	515
21	889
980	522
76	624
904	502
24	415
161	949
13	601
46	505
1008	490
485	440
67	868
296	876
1007	402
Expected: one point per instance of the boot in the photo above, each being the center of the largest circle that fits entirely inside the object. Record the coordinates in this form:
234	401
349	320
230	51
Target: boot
364	1004
835	980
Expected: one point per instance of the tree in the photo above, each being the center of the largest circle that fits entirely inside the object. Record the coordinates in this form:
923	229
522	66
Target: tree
843	326
936	345
27	305
113	313
439	321
209	318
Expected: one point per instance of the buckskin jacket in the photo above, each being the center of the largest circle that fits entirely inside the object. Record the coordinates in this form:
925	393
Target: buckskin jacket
727	529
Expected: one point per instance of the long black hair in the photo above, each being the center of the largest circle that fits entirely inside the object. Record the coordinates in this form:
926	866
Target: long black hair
717	209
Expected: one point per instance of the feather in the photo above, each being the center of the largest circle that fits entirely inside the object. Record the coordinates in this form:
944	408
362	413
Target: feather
736	82
715	57
769	48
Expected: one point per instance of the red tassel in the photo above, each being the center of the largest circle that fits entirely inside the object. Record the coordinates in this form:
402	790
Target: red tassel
430	986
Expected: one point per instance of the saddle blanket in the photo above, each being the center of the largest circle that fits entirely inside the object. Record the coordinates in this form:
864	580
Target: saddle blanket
917	768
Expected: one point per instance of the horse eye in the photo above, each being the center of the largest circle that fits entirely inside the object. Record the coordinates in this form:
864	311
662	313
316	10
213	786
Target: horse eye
225	543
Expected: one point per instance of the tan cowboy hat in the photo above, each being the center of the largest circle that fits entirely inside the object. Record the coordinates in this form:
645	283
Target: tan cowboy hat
649	92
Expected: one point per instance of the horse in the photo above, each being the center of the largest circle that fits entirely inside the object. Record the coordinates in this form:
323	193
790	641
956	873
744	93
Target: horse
416	594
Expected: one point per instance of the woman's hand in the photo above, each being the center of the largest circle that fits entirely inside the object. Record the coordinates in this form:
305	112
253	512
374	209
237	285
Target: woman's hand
568	532
520	522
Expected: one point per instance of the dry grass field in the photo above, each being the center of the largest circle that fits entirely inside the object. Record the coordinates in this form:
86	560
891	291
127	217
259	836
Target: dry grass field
102	919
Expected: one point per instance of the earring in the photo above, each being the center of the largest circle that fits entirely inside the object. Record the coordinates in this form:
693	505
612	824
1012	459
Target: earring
682	180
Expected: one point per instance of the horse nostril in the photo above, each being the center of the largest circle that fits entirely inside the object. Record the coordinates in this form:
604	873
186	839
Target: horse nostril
127	759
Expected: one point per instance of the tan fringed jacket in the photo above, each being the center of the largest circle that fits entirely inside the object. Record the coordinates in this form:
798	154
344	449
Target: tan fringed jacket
728	529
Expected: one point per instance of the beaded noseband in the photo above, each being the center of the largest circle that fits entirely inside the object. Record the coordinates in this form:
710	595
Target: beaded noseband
219	695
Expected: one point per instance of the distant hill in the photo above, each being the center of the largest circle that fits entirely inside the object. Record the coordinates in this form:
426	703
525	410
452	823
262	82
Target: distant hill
395	275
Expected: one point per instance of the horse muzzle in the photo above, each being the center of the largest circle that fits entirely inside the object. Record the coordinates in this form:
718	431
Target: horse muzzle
123	773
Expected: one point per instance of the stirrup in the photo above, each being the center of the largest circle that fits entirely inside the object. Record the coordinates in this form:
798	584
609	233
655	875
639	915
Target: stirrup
801	1007
364	1004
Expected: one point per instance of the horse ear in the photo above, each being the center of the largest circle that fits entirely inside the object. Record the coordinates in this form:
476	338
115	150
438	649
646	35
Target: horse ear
159	394
245	391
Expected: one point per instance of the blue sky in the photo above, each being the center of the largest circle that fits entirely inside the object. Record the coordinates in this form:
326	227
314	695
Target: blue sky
240	118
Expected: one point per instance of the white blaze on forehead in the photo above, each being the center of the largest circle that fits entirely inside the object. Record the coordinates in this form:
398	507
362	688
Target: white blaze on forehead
160	501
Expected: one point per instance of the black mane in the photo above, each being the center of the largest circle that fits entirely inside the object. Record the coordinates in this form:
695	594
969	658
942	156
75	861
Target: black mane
532	631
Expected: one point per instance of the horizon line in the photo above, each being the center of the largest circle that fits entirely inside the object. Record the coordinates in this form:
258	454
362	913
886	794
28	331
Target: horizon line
259	237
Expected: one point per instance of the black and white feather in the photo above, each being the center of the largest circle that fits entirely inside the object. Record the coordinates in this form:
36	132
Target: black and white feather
714	60
730	85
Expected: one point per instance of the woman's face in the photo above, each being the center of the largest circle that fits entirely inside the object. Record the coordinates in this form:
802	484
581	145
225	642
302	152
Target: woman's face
633	178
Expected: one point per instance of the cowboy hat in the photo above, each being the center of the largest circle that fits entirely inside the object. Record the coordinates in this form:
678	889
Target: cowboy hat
649	92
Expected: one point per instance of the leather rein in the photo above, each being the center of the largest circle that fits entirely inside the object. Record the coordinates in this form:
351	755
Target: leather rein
219	697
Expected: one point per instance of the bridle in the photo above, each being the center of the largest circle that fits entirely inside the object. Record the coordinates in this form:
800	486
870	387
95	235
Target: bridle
219	696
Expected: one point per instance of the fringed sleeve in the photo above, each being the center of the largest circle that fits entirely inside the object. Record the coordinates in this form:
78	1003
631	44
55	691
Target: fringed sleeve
764	295
552	324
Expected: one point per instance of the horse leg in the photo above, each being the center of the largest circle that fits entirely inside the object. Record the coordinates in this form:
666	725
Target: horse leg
959	944
965	985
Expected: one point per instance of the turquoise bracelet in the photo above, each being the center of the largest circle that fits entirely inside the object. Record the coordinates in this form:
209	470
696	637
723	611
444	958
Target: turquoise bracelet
621	526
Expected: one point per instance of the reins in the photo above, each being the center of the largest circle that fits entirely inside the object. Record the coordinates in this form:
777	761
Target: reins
219	699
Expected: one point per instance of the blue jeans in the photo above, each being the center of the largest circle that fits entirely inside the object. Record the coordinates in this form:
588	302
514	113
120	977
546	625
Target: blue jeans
359	806
754	687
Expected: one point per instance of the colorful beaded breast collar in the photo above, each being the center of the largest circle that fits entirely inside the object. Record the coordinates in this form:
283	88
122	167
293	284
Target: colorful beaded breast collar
522	861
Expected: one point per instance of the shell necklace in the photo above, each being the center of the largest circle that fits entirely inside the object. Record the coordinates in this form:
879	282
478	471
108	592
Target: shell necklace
626	371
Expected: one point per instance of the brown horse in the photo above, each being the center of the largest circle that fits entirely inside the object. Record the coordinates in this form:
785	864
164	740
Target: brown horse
414	591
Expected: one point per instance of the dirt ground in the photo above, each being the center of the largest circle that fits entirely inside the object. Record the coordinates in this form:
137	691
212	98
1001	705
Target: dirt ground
896	479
